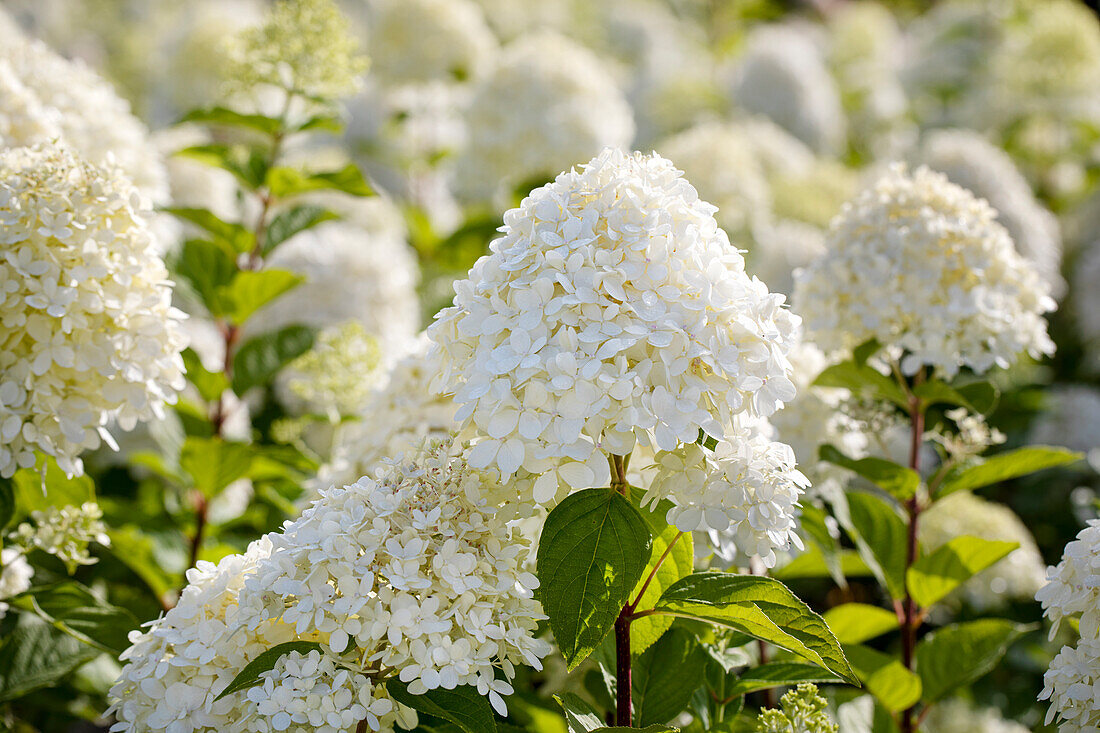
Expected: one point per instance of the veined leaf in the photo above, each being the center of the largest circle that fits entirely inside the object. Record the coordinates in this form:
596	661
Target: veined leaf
463	705
251	290
265	661
1005	466
898	481
260	358
214	463
955	656
779	674
285	182
885	677
863	380
666	676
35	655
226	116
854	623
678	563
579	715
880	534
234	235
292	221
934	576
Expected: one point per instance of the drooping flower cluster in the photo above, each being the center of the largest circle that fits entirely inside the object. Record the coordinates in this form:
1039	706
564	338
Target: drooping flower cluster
15	575
87	329
64	532
1073	590
547	104
613	311
921	265
801	710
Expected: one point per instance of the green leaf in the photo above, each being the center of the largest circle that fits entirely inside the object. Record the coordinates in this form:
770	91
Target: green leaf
233	235
977	397
679	563
934	576
284	182
248	165
761	607
863	381
666	676
898	481
74	609
7	502
885	677
210	384
854	623
579	715
812	564
264	661
462	706
252	289
322	123
260	358
225	116
46	486
594	548
209	267
36	655
779	674
137	551
955	656
865	351
881	537
292	221
214	463
1005	466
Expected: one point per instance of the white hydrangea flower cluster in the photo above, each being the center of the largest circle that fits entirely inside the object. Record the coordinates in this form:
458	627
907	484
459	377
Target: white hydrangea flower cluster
417	572
783	76
45	98
921	264
745	492
64	532
337	376
1017	576
417	41
971	436
613	311
547	104
1073	678
959	716
86	323
15	575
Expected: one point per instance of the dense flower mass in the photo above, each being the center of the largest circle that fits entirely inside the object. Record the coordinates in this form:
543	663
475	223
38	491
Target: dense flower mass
65	532
547	104
921	265
613	311
87	329
417	41
1071	683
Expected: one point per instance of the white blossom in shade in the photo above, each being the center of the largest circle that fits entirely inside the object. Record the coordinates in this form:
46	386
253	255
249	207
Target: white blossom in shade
1017	576
45	98
416	41
782	75
1070	418
959	716
745	492
612	311
1073	585
1072	684
722	164
354	271
923	266
547	104
15	575
87	330
180	663
64	532
971	161
416	572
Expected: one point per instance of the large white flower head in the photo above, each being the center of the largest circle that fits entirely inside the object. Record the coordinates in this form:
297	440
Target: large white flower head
1073	585
783	76
1017	576
548	103
416	41
956	715
971	161
612	311
87	329
418	572
923	266
15	575
1072	684
46	98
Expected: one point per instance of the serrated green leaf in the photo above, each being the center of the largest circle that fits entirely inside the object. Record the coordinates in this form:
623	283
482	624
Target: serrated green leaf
463	706
779	674
46	486
264	661
666	676
678	564
580	717
761	607
36	655
214	463
210	384
259	359
74	609
880	534
933	576
898	481
209	267
1005	466
226	116
863	381
250	290
593	549
285	182
292	221
955	656
885	677
854	623
231	234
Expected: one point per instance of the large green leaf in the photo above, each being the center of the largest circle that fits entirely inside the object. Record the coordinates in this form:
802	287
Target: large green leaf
137	551
237	237
35	655
666	676
292	221
898	481
1005	466
285	182
593	549
678	563
210	384
74	609
885	677
46	486
214	463
259	359
934	576
779	674
761	607
263	662
253	289
462	706
863	380
580	717
854	623
209	267
955	656
881	535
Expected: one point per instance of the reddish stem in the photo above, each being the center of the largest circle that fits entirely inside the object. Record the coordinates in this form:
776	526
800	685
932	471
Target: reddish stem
911	614
623	703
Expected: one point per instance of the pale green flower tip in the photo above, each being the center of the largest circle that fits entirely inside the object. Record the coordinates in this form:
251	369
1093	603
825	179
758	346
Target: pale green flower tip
801	710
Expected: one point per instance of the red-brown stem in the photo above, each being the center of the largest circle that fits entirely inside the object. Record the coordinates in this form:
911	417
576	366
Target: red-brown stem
623	706
911	616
